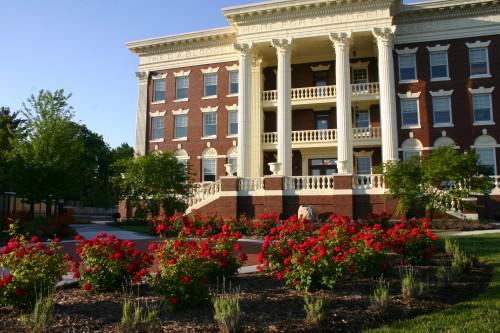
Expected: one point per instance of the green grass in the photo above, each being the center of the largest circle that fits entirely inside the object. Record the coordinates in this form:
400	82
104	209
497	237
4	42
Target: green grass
140	228
481	314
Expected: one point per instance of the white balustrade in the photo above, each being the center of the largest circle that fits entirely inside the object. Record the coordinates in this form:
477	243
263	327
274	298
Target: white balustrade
368	182
305	93
369	88
314	135
250	184
308	183
496	181
204	192
366	133
313	92
323	135
270	95
270	137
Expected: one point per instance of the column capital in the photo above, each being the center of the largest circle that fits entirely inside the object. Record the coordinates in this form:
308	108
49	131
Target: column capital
257	62
340	40
244	49
385	36
142	75
282	44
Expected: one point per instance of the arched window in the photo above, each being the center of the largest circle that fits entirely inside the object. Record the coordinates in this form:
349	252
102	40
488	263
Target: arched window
411	147
209	165
485	147
232	157
182	156
444	141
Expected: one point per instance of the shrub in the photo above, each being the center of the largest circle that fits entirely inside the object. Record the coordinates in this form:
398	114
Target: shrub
313	307
227	311
369	259
21	224
42	316
33	266
380	296
265	223
410	286
138	316
108	263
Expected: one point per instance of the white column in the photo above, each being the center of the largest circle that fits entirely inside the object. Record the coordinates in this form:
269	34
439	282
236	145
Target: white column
388	117
257	120
341	43
141	116
284	114
244	97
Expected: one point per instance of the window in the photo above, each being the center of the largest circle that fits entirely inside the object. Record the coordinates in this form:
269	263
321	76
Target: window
181	87
233	82
320	78
233	123
362	118
407	154
441	107
407	67
478	58
209	169
180	126
363	165
210	84
322	167
158	90
439	65
209	124
321	120
409	112
360	75
157	127
487	158
481	104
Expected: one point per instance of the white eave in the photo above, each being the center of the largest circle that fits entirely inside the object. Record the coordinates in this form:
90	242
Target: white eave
444	6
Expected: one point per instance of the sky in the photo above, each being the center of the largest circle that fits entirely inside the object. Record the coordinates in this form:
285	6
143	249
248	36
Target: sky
79	45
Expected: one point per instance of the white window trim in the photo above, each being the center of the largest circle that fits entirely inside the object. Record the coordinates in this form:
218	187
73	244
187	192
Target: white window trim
181	100
360	65
182	73
233	107
229	70
158	102
210	109
210	70
157	114
369	156
479	45
216	85
408	51
159	76
438	48
442	78
494	148
369	118
180	112
157	140
410	95
442	93
233	68
209	97
320	68
483	91
210	137
203	169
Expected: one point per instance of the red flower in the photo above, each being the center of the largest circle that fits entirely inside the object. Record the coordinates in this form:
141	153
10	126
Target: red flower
78	238
279	276
20	292
35	239
86	286
186	279
237	247
173	300
243	257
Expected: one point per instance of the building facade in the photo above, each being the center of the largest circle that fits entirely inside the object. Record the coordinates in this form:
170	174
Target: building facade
298	101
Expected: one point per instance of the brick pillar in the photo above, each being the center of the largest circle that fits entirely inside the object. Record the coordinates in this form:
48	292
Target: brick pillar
227	205
343	203
273	200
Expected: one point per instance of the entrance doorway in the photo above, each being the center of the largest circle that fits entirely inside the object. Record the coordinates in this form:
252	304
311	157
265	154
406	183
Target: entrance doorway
322	166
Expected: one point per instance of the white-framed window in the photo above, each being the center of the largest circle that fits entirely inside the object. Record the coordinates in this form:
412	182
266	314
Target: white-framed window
439	65
180	126
363	165
233	82
407	154
232	122
182	157
411	147
158	90
209	124
210	84
479	59
232	157
441	109
362	118
209	169
409	113
181	87
359	75
487	157
481	105
407	65
157	127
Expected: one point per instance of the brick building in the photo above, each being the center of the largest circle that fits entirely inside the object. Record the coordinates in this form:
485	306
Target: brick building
297	101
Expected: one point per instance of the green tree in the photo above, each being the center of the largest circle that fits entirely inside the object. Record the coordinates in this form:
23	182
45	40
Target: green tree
153	181
46	160
10	126
122	152
432	183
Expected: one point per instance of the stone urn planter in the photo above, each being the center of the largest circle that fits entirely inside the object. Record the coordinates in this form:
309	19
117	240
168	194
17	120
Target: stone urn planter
229	169
306	212
275	168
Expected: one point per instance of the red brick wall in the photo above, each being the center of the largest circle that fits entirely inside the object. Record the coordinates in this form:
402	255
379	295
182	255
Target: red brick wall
463	133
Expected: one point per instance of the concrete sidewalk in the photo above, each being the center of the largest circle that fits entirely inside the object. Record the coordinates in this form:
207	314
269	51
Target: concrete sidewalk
89	231
467	233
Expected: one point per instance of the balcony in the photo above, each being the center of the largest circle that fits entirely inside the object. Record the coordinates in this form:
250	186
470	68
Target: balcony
324	138
322	94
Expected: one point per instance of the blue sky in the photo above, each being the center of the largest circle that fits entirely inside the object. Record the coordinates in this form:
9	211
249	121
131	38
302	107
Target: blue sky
80	46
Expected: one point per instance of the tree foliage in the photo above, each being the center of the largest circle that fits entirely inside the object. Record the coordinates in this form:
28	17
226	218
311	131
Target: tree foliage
433	183
153	181
10	126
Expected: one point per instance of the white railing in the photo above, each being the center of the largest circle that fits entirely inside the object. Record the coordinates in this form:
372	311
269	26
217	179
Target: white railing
250	184
304	93
204	192
496	181
368	182
369	88
324	135
308	183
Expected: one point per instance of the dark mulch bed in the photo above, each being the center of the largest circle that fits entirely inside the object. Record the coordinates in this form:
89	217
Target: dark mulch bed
267	306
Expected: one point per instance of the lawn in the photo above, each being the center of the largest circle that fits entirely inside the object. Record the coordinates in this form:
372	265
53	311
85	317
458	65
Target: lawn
482	314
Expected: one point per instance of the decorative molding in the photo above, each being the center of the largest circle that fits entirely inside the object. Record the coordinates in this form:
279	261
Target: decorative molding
182	73
441	93
210	70
244	49
233	107
320	68
159	76
210	109
438	48
157	113
385	36
180	112
142	75
409	94
407	51
478	44
481	90
360	64
233	67
363	153
282	44
341	40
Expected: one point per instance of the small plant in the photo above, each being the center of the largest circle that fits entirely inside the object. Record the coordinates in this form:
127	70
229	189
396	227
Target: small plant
461	262
444	276
450	246
410	287
314	308
137	315
227	311
42	316
381	296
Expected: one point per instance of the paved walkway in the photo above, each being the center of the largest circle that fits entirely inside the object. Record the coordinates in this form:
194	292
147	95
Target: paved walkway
89	231
468	233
